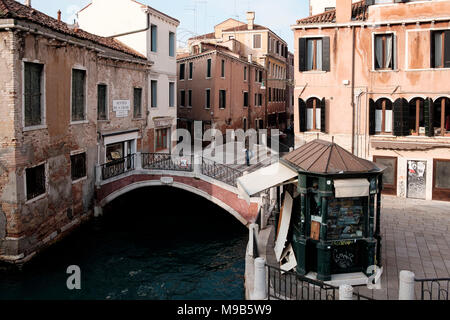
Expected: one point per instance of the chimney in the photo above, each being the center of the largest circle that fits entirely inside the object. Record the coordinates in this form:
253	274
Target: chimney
28	3
59	15
343	11
250	20
250	58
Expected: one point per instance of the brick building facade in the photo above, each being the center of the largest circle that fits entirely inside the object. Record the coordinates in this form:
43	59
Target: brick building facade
217	87
70	101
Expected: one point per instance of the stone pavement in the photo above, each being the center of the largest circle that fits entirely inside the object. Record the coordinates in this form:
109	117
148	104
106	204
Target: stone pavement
416	237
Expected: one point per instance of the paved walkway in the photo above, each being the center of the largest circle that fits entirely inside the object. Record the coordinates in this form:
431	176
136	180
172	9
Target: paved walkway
416	237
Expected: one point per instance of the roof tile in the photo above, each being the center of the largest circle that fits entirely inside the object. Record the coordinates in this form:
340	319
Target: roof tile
15	10
359	13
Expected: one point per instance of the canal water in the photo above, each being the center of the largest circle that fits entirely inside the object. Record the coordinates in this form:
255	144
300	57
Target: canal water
154	243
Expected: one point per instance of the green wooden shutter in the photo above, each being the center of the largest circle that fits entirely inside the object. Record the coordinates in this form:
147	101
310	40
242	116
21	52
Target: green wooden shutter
101	102
428	109
405	117
302	114
302	54
78	95
323	115
32	94
372	108
137	102
398	118
447	49
326	54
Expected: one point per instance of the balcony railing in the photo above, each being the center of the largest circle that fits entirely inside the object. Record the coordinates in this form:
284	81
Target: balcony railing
117	167
220	172
165	161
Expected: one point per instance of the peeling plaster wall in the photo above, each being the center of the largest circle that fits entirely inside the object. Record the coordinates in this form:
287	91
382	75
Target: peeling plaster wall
28	225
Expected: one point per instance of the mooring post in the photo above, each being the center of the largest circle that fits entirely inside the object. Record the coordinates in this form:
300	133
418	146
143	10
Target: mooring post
406	285
345	292
259	289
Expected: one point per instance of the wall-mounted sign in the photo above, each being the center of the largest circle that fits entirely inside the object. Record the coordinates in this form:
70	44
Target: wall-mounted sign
121	108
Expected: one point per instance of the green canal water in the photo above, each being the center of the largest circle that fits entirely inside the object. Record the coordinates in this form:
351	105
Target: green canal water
155	243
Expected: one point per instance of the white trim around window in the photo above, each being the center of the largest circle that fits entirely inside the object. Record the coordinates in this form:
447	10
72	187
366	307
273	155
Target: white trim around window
83	68
43	124
394	54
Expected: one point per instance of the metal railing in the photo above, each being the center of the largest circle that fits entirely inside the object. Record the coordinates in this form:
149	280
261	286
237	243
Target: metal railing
289	285
220	172
165	161
117	167
434	289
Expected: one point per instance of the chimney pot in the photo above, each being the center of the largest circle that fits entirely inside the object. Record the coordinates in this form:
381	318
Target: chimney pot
59	15
343	11
28	3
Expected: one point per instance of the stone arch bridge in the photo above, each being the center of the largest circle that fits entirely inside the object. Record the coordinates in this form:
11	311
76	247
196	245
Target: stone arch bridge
204	177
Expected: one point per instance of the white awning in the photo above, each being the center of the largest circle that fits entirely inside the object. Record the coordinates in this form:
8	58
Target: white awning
263	179
350	188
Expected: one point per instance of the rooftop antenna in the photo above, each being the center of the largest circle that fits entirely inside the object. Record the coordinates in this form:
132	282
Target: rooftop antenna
205	3
194	9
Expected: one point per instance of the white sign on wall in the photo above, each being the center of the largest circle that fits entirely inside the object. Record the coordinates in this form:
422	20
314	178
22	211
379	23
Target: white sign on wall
121	108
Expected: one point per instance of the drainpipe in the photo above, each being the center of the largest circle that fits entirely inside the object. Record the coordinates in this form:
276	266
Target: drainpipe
147	12
353	90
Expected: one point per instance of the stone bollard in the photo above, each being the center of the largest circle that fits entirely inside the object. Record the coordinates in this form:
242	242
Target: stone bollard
406	285
259	288
345	292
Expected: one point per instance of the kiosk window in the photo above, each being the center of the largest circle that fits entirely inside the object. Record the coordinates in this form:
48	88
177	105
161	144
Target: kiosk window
345	218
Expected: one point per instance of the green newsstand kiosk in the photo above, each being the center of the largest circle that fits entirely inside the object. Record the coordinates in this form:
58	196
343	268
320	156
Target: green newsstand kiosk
336	218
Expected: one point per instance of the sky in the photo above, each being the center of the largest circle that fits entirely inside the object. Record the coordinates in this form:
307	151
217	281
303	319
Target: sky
200	16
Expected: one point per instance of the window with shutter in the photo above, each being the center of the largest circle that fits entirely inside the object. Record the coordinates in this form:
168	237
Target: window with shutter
101	102
137	102
384	52
78	166
154	88
416	119
35	180
171	44
257	41
78	95
383	116
182	98
33	94
208	68
154	40
182	68
171	94
191	70
440	49
222	99
208	98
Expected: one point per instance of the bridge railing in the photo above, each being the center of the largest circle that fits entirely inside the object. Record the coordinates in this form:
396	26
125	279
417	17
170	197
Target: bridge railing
117	167
165	161
220	172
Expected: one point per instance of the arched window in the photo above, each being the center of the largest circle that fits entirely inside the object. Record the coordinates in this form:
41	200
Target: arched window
383	116
313	114
441	116
416	118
